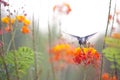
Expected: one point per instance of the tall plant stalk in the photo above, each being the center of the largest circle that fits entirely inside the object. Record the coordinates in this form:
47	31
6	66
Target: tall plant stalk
102	58
49	40
15	56
85	74
114	57
2	50
4	63
12	41
116	73
34	49
113	20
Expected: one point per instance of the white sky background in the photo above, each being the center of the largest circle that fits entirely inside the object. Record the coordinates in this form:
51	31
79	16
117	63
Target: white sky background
86	17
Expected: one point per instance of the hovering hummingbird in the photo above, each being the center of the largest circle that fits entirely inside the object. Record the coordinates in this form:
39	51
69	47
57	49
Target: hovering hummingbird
82	40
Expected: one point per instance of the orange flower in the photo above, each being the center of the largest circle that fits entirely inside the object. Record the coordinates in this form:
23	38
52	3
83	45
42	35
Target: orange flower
56	57
77	51
65	52
8	20
26	22
12	21
116	35
20	18
66	5
8	28
5	20
113	78
25	30
105	76
62	8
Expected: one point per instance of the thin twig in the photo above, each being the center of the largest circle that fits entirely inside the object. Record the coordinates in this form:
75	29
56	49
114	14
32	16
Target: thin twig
34	49
102	58
49	39
2	50
113	20
115	64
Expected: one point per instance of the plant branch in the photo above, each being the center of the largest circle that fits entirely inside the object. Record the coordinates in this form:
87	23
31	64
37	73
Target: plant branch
102	58
34	49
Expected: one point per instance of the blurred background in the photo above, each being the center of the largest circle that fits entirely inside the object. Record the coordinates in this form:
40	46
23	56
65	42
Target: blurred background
29	29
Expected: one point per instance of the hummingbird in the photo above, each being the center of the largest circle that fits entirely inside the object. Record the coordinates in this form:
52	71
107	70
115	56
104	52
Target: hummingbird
82	40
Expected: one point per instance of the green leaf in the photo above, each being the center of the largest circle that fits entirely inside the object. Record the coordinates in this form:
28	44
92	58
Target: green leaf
112	42
24	58
113	55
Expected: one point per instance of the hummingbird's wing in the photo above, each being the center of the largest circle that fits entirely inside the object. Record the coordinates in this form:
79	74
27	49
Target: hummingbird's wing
73	35
90	35
81	40
85	38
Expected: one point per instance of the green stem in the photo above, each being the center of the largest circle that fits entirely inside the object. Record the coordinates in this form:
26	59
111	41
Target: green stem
59	28
113	20
85	75
48	74
115	64
34	49
102	58
11	42
49	39
15	56
2	51
5	65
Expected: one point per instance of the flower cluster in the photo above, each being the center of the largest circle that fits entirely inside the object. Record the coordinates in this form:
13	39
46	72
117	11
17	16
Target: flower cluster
63	8
62	52
86	56
106	76
10	21
13	17
70	54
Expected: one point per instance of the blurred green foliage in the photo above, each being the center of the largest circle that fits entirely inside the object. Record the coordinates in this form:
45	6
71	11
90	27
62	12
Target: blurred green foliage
112	51
24	59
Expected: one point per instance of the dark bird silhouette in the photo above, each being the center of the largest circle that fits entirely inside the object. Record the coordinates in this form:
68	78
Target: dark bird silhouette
82	40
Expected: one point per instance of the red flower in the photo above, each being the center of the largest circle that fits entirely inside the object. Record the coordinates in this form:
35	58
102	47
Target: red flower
86	56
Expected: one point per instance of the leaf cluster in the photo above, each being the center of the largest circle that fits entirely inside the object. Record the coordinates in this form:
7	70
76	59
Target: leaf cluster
112	51
24	59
